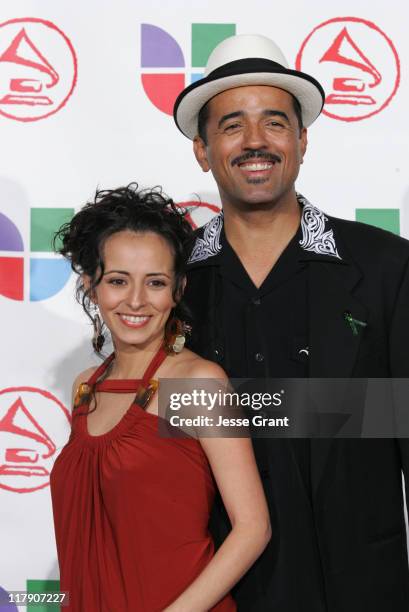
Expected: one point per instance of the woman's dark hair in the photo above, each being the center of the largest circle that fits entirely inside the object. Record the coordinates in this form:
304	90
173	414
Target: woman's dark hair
81	240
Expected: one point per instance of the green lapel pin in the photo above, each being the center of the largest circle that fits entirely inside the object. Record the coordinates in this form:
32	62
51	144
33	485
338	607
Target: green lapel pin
353	323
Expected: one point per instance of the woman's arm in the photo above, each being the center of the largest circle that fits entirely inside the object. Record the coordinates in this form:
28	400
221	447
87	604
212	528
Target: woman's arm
235	471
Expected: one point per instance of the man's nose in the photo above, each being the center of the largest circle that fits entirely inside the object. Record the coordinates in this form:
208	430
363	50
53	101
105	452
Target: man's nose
254	137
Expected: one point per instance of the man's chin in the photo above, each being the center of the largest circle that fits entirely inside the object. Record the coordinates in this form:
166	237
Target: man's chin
260	201
254	204
257	181
257	196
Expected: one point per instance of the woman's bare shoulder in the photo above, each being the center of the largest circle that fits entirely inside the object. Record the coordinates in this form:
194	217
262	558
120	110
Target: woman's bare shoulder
82	378
191	365
85	375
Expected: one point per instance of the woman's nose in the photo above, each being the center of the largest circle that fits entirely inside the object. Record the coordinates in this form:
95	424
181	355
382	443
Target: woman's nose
136	297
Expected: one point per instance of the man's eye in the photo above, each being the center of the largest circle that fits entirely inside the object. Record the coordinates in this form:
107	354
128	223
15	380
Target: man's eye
231	127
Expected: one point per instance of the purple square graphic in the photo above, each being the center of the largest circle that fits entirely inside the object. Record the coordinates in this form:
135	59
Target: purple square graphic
10	237
159	49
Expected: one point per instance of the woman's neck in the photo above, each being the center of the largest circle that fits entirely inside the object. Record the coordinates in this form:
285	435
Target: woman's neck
131	361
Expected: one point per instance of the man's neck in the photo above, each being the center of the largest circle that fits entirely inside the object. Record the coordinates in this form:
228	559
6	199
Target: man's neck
262	233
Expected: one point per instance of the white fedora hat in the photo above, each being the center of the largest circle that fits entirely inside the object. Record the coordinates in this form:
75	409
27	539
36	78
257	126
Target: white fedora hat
246	59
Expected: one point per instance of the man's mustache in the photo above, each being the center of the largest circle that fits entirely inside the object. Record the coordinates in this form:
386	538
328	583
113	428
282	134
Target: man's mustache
259	154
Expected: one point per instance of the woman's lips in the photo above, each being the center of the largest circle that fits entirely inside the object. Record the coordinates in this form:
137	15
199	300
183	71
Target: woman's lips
134	321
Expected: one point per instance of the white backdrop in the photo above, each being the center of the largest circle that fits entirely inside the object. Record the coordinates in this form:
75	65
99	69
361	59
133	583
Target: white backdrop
74	115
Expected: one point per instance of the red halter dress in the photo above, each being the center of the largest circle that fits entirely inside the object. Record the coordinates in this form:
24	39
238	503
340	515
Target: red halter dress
131	510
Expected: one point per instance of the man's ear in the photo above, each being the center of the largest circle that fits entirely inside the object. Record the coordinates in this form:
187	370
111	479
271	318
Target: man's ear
200	151
304	143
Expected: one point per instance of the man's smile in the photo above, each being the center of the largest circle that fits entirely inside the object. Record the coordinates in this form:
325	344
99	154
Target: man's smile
256	165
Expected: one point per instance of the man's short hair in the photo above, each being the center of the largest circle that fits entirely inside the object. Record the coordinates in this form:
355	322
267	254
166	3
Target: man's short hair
203	118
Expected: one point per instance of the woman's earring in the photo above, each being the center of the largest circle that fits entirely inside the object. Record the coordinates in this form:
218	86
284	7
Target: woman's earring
98	338
175	335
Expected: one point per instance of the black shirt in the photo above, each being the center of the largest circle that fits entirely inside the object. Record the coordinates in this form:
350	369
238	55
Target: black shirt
266	328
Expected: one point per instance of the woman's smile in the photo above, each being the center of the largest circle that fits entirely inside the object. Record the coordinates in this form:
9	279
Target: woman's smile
134	321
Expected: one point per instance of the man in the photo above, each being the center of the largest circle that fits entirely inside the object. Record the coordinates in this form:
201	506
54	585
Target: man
279	289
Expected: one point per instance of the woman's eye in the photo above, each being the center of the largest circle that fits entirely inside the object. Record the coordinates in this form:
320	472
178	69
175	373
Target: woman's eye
116	281
157	283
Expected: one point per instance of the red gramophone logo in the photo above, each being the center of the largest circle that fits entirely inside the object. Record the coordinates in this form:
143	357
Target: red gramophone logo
199	213
31	430
38	69
356	63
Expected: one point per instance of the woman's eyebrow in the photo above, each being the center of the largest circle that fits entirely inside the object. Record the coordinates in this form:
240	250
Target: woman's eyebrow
158	274
127	273
116	272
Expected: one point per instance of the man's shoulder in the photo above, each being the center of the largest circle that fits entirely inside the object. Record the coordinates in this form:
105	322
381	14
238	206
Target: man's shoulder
213	222
368	241
355	240
206	242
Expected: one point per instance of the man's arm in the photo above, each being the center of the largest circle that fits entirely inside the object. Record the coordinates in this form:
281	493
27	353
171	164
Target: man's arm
399	365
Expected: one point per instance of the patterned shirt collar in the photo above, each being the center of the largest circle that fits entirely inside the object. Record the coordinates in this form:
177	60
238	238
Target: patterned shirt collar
317	236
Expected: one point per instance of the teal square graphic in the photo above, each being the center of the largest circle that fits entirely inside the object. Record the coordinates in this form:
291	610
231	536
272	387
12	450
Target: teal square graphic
385	218
43	586
205	37
44	223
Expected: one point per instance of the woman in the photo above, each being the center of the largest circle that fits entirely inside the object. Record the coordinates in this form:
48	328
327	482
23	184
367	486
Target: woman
131	508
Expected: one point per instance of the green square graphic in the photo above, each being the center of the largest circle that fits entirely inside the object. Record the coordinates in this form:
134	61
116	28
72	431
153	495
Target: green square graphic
205	37
43	586
385	218
44	223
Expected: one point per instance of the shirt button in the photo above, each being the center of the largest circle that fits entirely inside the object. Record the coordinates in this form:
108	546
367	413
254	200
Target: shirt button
218	353
259	357
256	301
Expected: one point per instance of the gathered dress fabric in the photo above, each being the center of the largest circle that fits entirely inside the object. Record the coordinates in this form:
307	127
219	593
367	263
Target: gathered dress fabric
131	511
